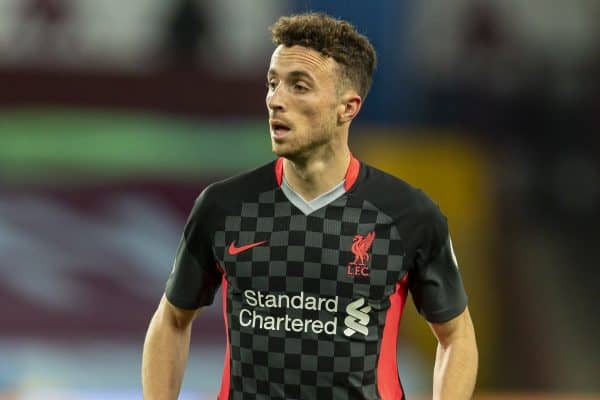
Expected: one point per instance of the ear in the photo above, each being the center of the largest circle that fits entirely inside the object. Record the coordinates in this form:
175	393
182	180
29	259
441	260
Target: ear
349	107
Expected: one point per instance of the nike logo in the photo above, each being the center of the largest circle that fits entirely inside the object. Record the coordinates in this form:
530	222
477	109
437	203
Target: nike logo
233	250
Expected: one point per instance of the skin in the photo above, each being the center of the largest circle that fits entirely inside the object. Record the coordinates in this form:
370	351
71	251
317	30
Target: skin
305	91
455	370
307	94
166	350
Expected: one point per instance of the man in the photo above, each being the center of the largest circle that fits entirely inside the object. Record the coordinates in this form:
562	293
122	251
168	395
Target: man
314	252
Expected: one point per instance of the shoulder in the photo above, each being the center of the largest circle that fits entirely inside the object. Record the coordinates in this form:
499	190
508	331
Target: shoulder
237	189
396	197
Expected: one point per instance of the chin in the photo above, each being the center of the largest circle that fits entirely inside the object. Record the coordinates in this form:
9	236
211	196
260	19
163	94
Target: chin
293	151
283	150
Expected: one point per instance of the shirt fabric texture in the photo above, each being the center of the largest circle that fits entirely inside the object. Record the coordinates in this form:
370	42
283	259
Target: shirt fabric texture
313	299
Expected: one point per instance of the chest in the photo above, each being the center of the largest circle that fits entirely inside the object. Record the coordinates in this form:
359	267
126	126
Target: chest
346	249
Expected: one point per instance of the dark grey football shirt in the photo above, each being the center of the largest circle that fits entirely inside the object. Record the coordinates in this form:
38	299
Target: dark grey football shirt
313	301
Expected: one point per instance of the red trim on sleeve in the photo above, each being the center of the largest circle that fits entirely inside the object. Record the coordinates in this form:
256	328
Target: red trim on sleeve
388	382
224	392
279	171
351	173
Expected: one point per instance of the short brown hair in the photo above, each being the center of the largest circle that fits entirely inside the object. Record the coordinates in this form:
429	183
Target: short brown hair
334	38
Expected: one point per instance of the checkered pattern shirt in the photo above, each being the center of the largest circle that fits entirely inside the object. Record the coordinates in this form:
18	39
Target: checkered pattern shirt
312	303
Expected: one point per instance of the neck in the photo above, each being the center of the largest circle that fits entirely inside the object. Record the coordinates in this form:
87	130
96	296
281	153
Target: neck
318	173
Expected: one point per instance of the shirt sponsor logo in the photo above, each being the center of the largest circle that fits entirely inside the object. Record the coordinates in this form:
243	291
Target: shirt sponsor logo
360	247
258	304
358	317
259	300
233	250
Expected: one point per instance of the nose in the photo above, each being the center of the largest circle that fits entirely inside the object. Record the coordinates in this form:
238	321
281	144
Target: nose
275	99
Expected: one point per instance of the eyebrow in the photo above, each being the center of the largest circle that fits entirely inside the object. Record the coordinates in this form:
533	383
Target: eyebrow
296	74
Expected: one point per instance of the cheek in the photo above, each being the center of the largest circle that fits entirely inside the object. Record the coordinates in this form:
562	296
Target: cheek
311	110
312	113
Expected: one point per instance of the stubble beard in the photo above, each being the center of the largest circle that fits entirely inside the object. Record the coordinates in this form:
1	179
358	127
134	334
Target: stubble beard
302	147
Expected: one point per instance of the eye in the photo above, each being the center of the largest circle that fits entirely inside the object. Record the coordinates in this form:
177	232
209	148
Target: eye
299	87
271	85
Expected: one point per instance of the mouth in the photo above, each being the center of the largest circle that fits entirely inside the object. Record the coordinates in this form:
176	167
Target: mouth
279	129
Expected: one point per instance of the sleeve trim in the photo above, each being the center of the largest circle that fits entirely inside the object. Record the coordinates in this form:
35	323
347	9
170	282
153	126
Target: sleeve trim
446	314
180	303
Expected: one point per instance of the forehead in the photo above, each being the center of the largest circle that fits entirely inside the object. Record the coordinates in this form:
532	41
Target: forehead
286	59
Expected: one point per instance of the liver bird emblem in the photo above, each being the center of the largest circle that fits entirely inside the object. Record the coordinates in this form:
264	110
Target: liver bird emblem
360	246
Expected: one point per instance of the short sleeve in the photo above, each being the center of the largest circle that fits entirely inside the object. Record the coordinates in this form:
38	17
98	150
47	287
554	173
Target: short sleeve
435	282
195	277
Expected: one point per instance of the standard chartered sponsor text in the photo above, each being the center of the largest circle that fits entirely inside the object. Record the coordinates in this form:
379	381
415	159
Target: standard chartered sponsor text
300	301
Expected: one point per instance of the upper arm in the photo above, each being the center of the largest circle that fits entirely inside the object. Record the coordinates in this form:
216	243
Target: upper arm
458	327
434	280
195	277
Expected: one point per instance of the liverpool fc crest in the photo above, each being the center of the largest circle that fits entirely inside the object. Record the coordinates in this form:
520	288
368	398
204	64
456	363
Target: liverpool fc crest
360	247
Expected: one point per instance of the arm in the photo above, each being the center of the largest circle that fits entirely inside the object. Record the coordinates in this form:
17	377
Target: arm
166	350
455	370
